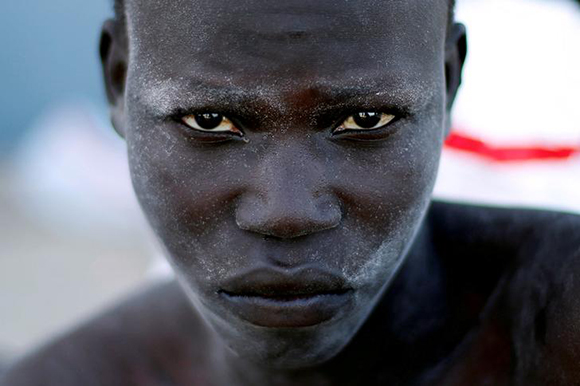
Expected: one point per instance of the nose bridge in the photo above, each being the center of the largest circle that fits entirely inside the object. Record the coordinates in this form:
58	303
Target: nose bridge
289	170
289	195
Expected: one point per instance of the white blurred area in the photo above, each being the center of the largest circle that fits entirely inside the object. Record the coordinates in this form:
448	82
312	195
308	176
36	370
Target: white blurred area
521	90
73	238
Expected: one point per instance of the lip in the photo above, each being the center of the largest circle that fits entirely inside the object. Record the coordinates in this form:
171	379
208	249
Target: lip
287	299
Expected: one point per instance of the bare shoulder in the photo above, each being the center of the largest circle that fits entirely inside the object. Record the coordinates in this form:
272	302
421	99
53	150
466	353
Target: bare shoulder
138	342
499	225
516	238
539	253
545	291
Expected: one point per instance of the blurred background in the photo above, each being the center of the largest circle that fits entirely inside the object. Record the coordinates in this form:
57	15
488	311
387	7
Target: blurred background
72	238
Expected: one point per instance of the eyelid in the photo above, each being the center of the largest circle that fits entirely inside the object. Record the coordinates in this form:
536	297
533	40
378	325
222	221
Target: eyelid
229	132
349	123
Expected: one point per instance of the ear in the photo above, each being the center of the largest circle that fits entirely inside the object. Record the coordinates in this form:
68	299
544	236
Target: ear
455	54
113	50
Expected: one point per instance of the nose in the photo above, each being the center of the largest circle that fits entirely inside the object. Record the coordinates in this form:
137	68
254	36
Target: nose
287	215
288	198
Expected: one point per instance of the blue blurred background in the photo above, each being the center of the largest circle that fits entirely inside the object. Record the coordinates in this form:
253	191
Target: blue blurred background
49	56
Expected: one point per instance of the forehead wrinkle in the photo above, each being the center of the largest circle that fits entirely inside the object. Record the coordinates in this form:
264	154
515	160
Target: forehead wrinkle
292	24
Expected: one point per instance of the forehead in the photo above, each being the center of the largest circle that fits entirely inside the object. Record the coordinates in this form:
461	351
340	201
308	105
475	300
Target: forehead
280	42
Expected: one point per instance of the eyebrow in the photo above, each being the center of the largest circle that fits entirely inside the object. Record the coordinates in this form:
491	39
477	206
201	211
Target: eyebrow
171	96
396	94
165	97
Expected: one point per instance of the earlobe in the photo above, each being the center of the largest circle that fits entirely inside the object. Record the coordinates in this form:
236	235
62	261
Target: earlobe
113	51
455	54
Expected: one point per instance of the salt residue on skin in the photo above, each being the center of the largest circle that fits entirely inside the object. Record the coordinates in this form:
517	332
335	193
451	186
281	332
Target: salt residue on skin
162	97
389	256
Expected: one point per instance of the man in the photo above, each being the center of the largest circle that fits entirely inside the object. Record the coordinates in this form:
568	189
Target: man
285	153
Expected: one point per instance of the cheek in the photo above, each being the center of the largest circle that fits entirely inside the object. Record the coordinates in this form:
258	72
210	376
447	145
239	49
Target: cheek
380	185
186	193
386	197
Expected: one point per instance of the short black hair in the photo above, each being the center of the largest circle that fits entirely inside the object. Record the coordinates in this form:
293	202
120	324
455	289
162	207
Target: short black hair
120	15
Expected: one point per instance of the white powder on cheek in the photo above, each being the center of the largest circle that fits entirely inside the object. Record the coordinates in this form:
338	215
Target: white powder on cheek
383	264
383	261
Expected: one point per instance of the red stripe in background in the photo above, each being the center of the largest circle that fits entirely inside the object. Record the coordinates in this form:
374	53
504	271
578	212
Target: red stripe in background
462	142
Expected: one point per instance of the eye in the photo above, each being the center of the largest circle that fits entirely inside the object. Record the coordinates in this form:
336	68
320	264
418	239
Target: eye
365	121
210	122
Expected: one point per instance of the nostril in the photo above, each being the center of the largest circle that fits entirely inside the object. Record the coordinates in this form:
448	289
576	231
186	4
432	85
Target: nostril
294	227
287	229
277	223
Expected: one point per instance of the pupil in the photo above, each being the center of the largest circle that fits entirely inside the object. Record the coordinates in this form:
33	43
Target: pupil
209	120
367	120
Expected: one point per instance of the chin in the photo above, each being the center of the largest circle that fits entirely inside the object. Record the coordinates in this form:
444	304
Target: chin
287	348
293	348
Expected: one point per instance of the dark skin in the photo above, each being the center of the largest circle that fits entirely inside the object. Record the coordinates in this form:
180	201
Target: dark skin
285	156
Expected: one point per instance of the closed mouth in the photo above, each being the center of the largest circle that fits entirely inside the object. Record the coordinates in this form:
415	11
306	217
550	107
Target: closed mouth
277	299
285	296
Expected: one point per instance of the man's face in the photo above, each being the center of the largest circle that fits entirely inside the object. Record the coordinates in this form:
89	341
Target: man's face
286	219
